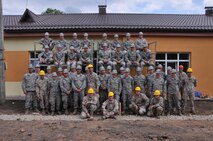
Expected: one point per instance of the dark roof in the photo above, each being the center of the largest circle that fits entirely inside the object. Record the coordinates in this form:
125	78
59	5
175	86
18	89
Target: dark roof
109	21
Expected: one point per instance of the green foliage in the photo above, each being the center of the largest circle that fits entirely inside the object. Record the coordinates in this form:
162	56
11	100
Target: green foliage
50	11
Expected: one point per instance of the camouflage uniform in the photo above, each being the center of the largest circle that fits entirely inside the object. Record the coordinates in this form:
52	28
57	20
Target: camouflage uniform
59	58
110	108
103	78
140	81
189	83
29	88
89	106
78	82
46	41
118	58
104	57
149	79
42	89
127	44
141	43
85	58
133	58
93	81
127	87
63	43
156	107
86	42
158	84
46	57
104	42
182	75
71	59
139	103
65	85
114	45
76	44
114	85
146	58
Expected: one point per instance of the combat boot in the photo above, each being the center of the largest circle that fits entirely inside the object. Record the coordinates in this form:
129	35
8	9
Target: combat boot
36	110
75	112
43	112
52	114
66	112
179	113
26	111
59	112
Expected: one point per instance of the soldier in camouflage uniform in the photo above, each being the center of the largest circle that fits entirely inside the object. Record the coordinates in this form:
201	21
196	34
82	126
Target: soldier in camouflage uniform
133	57
109	70
72	72
156	106
114	85
122	72
42	89
89	105
64	44
139	80
85	57
55	94
71	58
48	75
104	41
103	78
29	89
65	85
127	88
75	43
46	56
190	84
59	57
162	74
158	83
46	41
87	42
104	56
128	43
149	78
118	57
139	102
37	70
173	84
60	73
146	57
110	107
115	43
78	86
140	42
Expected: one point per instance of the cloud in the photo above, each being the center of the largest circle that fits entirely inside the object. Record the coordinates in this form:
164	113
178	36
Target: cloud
208	2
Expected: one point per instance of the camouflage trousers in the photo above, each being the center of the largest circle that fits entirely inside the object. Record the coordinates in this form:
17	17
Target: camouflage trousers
78	98
173	101
141	110
103	96
31	100
126	99
155	111
91	109
109	114
64	100
44	101
55	102
189	95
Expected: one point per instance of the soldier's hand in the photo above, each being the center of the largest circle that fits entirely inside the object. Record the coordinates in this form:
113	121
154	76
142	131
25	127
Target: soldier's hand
25	92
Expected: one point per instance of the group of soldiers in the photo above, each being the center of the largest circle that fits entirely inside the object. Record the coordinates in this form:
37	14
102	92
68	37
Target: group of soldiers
110	92
110	53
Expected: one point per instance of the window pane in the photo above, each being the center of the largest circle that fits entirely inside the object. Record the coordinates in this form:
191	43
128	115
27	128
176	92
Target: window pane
171	56
160	56
184	56
172	64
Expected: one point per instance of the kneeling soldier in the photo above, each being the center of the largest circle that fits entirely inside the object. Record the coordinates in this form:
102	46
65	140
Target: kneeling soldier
110	107
156	105
89	105
139	102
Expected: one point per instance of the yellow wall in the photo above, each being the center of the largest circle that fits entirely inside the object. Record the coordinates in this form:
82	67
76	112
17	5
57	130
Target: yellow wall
201	48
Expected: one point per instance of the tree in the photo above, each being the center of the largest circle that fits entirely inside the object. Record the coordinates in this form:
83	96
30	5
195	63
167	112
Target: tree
52	11
2	67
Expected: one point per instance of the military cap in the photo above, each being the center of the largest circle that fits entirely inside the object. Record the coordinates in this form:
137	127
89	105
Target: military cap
49	68
74	34
60	69
173	71
46	34
71	48
118	46
30	66
138	69
46	47
61	34
122	69
54	74
116	36
151	68
85	34
128	34
65	71
158	71
140	33
169	68
85	46
78	67
114	71
127	70
109	67
102	68
104	35
37	66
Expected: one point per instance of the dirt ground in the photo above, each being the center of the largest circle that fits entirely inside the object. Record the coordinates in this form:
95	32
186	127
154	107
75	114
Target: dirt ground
107	130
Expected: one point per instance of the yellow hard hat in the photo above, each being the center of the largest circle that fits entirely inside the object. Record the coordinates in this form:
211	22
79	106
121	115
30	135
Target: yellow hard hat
110	94
90	91
157	93
137	89
41	72
189	70
90	66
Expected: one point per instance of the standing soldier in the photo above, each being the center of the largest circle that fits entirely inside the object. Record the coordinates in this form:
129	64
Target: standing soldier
115	43
37	70
89	105
104	41
46	56
173	84
156	106
114	85
85	57
75	43
190	84
146	57
140	42
60	73
65	85
87	42
92	79
133	57
48	75
103	78
110	107
149	78
78	86
122	72
128	43
71	58
59	56
109	70
127	88
46	41
55	94
62	42
42	88
139	80
162	74
118	57
104	56
139	102
72	72
158	83
182	75
29	89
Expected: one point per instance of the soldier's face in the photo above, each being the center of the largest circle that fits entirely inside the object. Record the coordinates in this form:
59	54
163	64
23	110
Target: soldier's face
132	48
85	37
137	93
173	75
157	96
114	75
103	72
37	70
104	37
105	48
61	37
126	73
46	49
65	74
49	71
42	76
60	73
118	49
138	72
30	70
54	77
116	38
122	72
110	98
158	75
189	74
128	37
74	37
145	49
90	95
140	36
46	36
85	49
90	70
59	49
181	69
78	71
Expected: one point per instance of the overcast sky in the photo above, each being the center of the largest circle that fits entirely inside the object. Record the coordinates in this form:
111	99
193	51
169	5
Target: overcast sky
17	7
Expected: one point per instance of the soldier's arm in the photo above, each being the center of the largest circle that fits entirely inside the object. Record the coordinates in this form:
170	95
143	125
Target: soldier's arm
63	89
84	84
115	110
23	84
84	108
55	57
120	86
195	82
146	100
138	57
37	87
40	55
73	85
104	106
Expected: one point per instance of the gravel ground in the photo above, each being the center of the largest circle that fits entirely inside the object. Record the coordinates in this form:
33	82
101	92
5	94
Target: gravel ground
38	117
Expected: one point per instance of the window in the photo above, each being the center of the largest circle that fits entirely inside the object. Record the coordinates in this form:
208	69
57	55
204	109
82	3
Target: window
173	60
34	57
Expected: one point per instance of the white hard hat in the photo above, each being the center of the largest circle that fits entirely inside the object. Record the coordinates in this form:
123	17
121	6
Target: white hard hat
46	34
85	34
61	34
